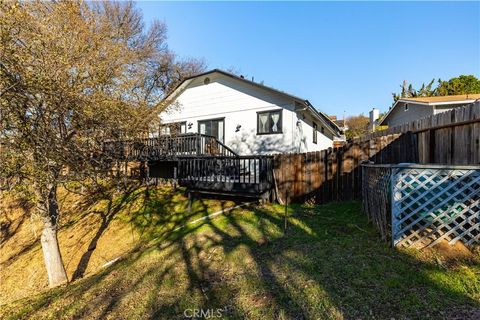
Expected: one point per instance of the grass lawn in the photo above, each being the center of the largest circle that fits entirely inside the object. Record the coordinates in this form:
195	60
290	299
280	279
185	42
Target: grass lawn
329	264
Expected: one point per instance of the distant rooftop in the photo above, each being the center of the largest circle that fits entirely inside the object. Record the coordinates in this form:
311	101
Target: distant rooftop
433	100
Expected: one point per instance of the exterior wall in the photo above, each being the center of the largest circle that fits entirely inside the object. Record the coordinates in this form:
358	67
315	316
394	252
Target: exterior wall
443	108
418	111
238	103
414	112
304	130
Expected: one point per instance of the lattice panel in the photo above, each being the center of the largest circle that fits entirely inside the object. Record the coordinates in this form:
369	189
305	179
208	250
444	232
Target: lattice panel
431	205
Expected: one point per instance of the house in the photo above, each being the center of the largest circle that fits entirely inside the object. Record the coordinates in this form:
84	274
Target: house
340	123
409	109
248	117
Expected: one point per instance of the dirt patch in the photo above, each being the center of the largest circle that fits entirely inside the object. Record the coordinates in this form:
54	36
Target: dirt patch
455	252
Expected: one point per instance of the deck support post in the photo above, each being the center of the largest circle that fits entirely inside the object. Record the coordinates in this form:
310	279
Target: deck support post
175	177
190	200
286	211
125	176
117	175
147	181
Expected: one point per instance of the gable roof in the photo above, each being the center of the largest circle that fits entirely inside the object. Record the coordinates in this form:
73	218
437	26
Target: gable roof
324	118
432	101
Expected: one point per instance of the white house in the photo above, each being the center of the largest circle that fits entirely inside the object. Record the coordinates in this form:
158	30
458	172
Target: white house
248	117
410	109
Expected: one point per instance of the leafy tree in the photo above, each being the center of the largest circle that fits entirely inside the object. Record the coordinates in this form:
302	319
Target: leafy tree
356	126
73	75
463	84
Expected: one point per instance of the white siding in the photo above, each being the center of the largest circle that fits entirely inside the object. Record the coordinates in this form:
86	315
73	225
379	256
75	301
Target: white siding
443	108
415	111
238	103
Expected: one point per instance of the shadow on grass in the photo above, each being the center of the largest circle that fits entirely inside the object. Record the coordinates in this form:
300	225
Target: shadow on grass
113	207
329	263
9	227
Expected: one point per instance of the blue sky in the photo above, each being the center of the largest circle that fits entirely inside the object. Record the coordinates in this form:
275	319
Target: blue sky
342	56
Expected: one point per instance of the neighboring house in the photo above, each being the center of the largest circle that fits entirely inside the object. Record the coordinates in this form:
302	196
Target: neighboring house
340	123
409	109
248	117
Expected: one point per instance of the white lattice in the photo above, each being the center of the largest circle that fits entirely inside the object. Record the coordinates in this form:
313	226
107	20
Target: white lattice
432	204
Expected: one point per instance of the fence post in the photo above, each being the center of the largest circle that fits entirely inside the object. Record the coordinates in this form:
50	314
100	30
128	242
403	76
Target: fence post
286	211
393	172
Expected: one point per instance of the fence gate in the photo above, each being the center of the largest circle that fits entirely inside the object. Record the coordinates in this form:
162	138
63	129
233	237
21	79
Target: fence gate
430	204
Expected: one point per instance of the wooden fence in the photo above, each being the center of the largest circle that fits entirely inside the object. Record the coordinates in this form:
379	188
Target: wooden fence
451	137
334	174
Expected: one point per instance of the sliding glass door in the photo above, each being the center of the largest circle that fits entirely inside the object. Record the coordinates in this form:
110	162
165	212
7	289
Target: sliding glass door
213	127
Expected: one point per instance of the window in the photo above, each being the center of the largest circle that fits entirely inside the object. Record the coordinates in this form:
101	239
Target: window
322	130
213	127
406	106
269	122
174	128
315	129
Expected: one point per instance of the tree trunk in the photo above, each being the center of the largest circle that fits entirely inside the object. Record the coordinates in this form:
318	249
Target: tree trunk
51	250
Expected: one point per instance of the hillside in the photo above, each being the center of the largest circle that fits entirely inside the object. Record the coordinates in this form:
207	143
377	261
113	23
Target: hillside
95	229
242	264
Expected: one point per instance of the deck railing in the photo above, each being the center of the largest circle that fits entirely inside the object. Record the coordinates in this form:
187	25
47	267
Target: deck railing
166	146
223	173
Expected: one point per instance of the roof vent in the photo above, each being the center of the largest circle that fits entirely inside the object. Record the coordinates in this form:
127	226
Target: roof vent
206	81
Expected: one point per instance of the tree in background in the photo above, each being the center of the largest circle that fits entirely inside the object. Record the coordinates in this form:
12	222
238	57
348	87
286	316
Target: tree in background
409	92
73	75
357	126
463	84
459	85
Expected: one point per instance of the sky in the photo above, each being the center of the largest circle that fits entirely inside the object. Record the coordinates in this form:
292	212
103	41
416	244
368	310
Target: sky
344	57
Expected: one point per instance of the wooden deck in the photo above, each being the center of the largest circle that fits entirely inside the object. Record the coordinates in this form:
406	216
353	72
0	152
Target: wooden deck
199	162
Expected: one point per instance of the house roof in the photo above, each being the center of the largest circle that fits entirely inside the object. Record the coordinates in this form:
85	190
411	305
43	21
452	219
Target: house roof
432	101
184	84
456	98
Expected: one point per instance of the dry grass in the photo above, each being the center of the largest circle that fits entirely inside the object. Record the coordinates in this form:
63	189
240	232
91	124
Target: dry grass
97	229
329	264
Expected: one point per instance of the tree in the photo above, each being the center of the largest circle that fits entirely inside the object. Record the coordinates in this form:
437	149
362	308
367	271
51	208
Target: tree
73	75
460	85
356	126
463	84
409	92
